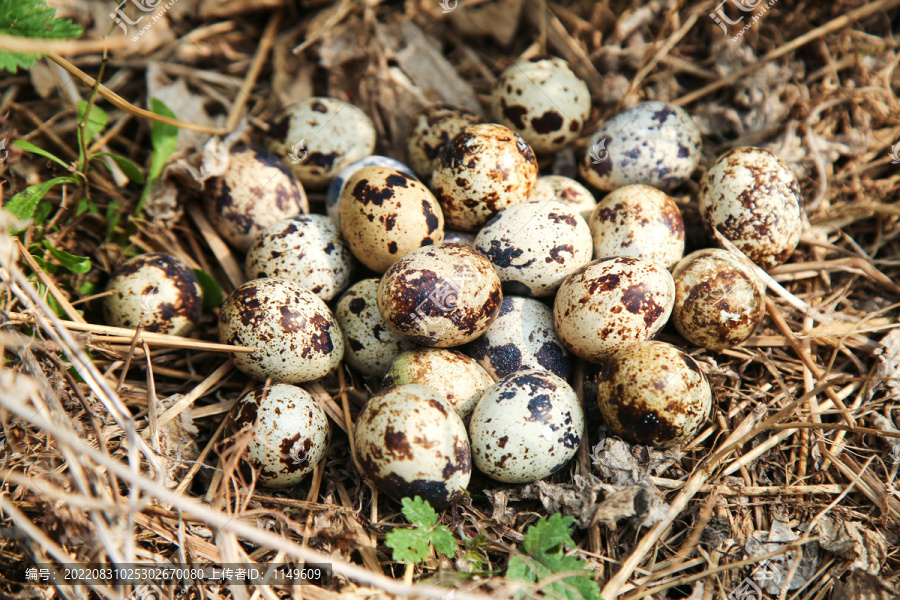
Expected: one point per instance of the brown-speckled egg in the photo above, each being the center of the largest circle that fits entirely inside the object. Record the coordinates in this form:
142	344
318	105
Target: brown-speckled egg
431	128
452	373
318	137
257	190
410	442
565	190
290	432
369	344
534	246
638	220
654	394
526	427
295	335
386	213
611	303
156	291
481	171
522	337
443	295
654	143
542	99
719	302
306	249
753	199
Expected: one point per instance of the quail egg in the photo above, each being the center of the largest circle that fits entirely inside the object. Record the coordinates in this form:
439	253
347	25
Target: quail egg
638	220
527	426
295	335
452	373
654	143
432	127
290	432
652	393
718	300
156	291
542	99
460	237
481	171
534	246
611	303
319	136
385	214
256	191
753	199
565	190
306	249
443	295
369	344
522	337
332	200
410	442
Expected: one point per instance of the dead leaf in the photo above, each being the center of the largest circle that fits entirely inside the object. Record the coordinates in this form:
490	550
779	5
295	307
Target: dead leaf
866	549
498	19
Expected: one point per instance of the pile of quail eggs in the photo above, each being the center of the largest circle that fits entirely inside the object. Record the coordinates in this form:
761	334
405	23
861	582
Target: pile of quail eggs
462	288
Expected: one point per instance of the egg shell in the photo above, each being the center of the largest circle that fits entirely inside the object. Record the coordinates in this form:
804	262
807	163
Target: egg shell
306	249
459	237
320	136
638	220
450	372
535	246
431	128
370	346
333	195
443	295
526	427
257	190
543	100
295	335
290	432
719	302
565	190
522	337
611	303
156	291
385	214
652	393
753	199
483	170
654	143
410	442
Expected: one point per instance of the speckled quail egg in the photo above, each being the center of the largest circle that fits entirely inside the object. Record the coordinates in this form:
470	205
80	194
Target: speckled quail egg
481	171
369	344
465	238
306	249
319	136
443	295
256	191
295	335
542	99
611	303
526	427
410	442
652	393
534	246
290	432
156	291
719	302
432	127
385	214
654	143
638	220
522	337
333	195
452	373
753	199
565	190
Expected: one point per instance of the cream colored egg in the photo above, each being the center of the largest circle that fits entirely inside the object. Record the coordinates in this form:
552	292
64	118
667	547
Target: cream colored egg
432	127
565	190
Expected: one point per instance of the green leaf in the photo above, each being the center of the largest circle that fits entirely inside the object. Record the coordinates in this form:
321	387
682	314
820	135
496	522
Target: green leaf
29	147
48	267
443	541
96	121
42	212
31	19
23	204
113	216
86	288
419	512
212	293
165	139
546	534
131	170
76	264
411	545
